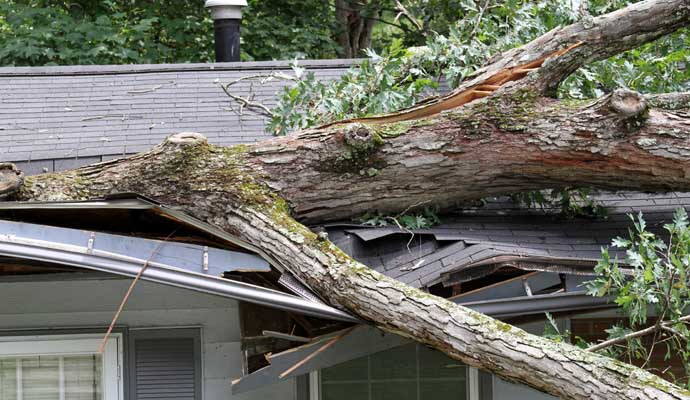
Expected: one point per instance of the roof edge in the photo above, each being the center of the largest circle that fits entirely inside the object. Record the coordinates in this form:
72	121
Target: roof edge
74	70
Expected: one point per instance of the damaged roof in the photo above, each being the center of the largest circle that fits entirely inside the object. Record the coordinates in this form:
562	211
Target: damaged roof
56	118
194	255
472	244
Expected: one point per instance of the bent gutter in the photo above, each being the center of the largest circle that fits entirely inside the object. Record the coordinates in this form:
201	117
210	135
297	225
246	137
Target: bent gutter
93	259
537	304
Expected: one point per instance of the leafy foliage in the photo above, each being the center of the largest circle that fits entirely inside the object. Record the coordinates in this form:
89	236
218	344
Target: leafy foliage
288	29
374	87
655	277
425	218
63	32
400	77
570	202
658	67
49	32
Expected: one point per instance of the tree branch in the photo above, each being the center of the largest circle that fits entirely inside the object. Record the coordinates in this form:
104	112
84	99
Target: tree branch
668	326
223	187
504	139
489	147
248	101
670	101
606	36
600	38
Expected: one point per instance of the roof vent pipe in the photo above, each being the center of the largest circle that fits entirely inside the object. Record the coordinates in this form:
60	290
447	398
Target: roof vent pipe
227	17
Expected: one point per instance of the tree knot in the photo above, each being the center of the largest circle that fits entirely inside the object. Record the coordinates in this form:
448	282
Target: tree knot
361	137
11	179
186	139
322	236
628	103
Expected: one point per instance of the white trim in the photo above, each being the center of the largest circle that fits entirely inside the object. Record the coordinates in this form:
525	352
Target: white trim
202	362
472	383
61	377
57	345
19	373
315	385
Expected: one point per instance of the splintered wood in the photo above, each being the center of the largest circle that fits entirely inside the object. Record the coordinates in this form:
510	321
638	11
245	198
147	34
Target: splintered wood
458	98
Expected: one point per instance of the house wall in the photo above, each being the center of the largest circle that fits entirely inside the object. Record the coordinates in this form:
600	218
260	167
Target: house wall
91	303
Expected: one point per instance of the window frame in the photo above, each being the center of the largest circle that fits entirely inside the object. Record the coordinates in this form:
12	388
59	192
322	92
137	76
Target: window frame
73	344
472	379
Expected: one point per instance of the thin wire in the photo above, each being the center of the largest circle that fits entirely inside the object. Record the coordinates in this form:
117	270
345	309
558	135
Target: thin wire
129	292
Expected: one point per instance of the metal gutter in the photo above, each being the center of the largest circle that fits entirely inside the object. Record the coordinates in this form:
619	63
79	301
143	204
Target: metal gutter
134	201
526	305
12	245
194	258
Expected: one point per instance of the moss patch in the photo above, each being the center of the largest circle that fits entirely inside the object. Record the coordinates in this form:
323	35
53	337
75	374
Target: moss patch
358	156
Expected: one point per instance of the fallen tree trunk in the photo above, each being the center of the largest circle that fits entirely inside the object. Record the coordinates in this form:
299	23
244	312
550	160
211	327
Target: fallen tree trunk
218	185
515	138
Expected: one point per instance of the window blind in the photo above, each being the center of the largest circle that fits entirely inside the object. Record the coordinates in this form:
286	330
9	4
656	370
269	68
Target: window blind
68	377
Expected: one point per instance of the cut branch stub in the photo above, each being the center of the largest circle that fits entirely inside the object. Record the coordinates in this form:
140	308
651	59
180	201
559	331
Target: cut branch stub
360	137
11	179
628	103
358	153
186	138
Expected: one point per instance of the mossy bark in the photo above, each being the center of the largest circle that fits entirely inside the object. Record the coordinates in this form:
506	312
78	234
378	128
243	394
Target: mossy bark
224	187
514	140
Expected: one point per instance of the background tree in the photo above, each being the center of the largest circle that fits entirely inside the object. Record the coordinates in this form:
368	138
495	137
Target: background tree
65	32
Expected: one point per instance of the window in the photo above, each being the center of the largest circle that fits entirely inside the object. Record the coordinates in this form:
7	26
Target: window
410	372
60	368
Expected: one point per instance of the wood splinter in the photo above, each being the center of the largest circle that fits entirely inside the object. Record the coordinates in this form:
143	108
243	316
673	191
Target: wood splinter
460	97
318	351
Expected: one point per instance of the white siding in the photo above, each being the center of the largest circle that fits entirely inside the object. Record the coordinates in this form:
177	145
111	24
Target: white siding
92	303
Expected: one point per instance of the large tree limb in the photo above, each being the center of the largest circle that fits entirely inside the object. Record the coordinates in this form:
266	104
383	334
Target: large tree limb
561	52
511	140
219	185
497	145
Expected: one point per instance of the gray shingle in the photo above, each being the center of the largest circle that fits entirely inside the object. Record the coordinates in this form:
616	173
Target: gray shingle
482	235
53	113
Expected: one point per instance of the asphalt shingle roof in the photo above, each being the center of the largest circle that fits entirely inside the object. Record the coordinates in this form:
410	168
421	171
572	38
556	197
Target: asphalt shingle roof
63	117
480	235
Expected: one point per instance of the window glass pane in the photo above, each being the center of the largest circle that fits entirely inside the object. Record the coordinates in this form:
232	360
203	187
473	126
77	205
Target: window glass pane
396	363
76	377
410	372
442	389
394	390
83	377
345	391
434	364
356	369
40	378
8	380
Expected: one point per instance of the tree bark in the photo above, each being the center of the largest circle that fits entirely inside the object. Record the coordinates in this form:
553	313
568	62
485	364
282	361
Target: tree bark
356	21
513	138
